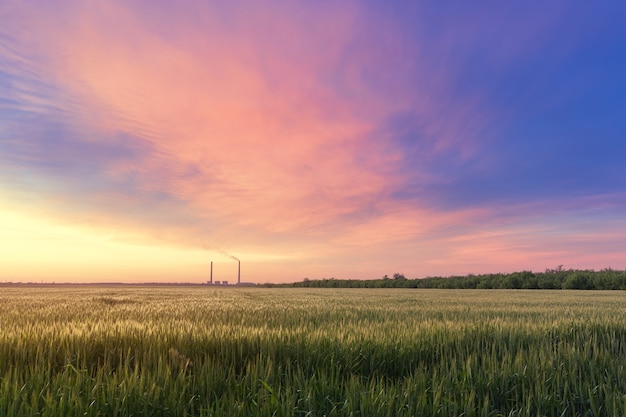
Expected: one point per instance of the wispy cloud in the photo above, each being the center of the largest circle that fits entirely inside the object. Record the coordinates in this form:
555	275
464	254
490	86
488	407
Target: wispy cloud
314	131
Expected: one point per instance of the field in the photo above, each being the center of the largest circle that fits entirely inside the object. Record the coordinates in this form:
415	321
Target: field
186	351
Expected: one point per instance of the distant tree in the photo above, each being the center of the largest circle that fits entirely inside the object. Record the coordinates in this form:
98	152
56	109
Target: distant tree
557	278
485	284
578	280
514	281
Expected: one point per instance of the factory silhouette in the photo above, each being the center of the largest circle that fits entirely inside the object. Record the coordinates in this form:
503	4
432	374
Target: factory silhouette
225	283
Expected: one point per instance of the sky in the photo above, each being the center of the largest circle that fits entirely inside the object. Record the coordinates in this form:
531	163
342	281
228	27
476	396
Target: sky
142	140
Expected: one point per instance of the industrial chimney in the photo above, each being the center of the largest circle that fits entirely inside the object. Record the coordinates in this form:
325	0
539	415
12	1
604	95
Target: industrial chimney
239	273
211	282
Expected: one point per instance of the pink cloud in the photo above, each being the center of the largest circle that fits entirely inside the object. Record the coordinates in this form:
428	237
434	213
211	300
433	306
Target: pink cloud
263	128
257	126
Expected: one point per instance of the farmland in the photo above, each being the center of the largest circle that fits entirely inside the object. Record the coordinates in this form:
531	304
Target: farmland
186	351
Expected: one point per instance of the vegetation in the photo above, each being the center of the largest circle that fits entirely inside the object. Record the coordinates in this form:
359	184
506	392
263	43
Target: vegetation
193	351
551	279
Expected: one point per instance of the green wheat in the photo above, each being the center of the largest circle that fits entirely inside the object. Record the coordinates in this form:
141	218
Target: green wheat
191	351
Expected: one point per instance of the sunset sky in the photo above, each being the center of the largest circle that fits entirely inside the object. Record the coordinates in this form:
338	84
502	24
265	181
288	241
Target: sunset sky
141	140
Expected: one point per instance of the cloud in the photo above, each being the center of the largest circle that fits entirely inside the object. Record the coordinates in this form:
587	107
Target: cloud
245	120
311	130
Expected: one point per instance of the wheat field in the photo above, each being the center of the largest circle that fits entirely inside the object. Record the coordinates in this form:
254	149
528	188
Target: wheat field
202	351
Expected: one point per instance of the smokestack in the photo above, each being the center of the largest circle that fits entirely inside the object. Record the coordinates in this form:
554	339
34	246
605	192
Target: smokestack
211	272
239	273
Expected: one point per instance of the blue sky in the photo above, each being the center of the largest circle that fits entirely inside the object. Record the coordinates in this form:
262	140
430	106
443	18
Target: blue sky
351	139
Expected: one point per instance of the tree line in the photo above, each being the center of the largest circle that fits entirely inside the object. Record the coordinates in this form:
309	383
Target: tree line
552	279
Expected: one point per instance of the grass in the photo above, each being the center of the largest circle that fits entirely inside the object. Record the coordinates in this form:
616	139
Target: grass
187	351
